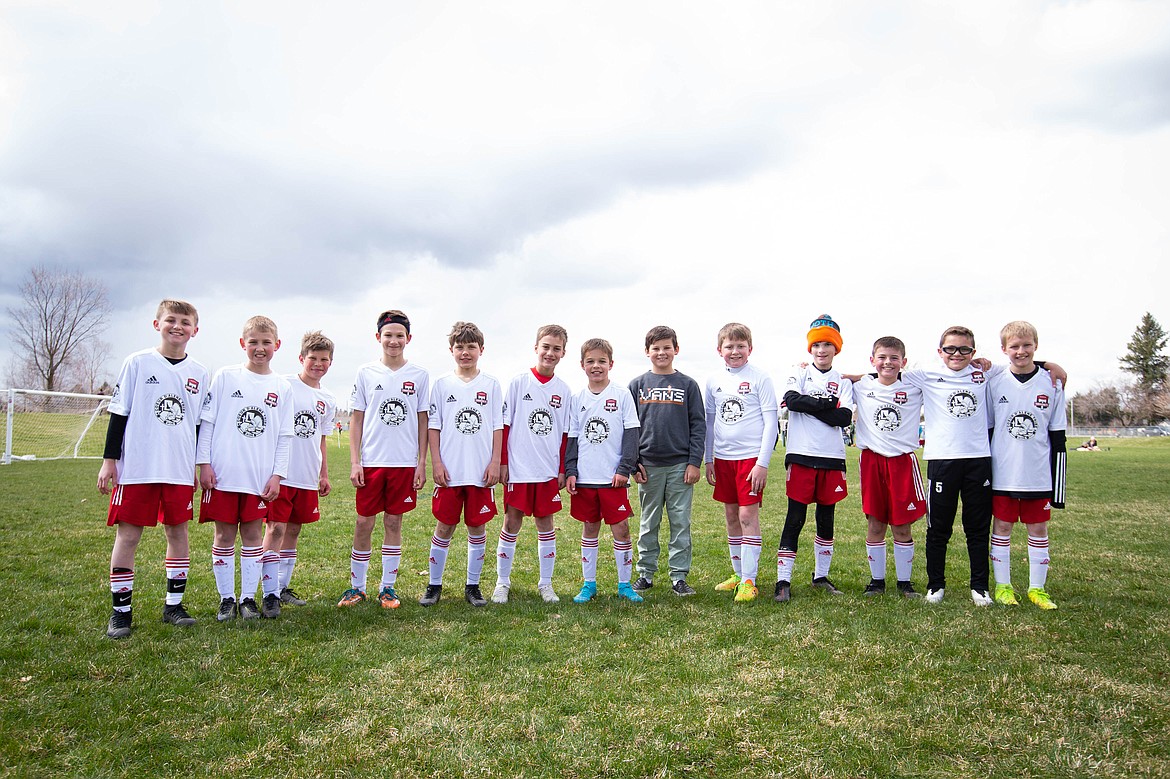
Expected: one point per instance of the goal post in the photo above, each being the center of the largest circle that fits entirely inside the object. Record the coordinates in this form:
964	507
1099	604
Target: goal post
43	425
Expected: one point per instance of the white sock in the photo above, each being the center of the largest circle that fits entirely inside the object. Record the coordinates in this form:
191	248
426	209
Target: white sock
270	572
624	557
250	570
785	563
734	544
546	549
177	569
750	551
589	559
288	561
876	552
1037	562
903	559
823	555
223	565
476	552
505	553
438	562
359	566
1001	557
391	559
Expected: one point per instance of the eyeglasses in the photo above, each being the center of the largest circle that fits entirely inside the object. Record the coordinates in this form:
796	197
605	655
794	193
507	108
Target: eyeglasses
963	350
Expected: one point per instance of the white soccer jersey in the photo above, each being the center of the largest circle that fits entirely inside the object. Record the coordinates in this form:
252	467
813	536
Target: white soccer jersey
466	414
250	412
741	407
313	410
956	411
887	416
538	417
391	402
598	422
1020	449
162	403
808	435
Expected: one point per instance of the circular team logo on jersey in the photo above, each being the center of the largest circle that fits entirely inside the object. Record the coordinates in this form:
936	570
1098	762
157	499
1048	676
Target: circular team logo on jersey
1022	425
468	421
596	430
887	419
731	410
251	422
962	404
304	424
540	422
168	409
392	412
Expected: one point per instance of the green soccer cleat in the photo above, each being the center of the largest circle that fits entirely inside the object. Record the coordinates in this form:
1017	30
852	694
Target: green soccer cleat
746	591
1005	595
1038	596
728	585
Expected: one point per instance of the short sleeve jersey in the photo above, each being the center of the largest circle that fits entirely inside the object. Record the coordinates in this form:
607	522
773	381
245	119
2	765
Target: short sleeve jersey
598	422
739	401
956	411
162	403
808	435
466	414
887	416
250	412
1024	414
391	402
313	410
538	417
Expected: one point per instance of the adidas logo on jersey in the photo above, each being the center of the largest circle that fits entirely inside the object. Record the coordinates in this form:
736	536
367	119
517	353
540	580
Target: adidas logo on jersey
1002	399
237	394
450	398
152	380
378	388
527	396
408	499
484	510
940	380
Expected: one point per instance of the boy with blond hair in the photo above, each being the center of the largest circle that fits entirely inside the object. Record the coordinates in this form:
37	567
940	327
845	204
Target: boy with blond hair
243	456
148	466
742	422
466	421
536	426
308	474
602	452
387	454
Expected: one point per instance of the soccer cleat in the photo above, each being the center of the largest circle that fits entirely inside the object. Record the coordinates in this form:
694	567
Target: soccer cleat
587	593
682	589
875	587
727	585
1040	597
906	589
1005	595
746	591
175	614
289	597
270	606
388	599
643	583
227	610
119	626
822	582
980	598
432	595
548	593
351	597
500	593
935	596
627	592
783	592
248	609
472	595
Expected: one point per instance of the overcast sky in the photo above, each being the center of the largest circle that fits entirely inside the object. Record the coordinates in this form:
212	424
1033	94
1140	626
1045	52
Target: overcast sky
901	166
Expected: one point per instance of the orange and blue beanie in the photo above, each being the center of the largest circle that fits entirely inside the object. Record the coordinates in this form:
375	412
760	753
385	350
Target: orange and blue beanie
824	328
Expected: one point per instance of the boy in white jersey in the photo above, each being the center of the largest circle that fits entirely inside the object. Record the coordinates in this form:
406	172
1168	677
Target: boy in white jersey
148	466
820	402
892	494
1027	461
466	421
536	427
598	464
308	474
247	427
387	454
741	434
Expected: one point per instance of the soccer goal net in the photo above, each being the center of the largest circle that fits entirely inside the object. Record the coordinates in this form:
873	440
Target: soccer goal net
54	425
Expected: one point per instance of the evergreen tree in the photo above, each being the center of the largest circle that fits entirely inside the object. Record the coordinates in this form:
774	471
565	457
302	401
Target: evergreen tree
1145	359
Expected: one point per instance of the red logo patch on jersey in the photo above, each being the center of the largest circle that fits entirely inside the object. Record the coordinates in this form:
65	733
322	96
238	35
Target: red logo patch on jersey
1041	401
481	398
833	387
193	386
610	404
745	388
271	399
900	397
408	388
320	407
555	401
977	377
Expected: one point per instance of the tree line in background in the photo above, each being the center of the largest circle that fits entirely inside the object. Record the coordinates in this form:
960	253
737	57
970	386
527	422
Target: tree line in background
1143	401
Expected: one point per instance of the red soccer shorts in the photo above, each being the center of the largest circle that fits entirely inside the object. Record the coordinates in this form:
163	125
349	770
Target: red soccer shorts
815	485
476	504
231	507
731	482
1030	511
540	499
389	490
594	504
295	504
148	504
891	488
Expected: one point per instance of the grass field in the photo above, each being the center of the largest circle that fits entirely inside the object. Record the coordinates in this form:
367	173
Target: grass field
844	687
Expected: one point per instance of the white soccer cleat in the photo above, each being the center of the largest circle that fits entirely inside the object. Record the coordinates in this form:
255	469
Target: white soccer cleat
980	598
500	593
934	596
548	593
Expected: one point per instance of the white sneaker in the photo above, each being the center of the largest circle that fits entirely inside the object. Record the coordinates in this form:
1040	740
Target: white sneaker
500	593
546	591
934	596
980	598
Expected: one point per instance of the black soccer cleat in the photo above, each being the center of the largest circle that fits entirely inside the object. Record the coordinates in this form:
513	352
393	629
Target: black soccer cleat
248	609
119	626
175	614
270	606
473	596
432	595
783	592
874	588
227	610
823	582
906	589
682	589
289	597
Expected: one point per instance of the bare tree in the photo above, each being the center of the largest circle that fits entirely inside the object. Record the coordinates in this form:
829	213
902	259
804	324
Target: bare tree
88	364
60	312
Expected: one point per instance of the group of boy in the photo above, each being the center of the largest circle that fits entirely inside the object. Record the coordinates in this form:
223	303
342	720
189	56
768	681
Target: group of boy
259	444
